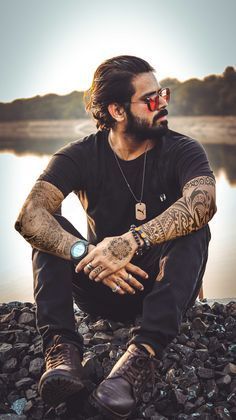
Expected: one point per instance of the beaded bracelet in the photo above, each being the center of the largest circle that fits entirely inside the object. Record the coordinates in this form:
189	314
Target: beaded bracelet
143	235
137	240
147	244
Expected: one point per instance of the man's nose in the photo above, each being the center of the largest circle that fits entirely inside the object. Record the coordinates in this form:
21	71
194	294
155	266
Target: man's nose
162	103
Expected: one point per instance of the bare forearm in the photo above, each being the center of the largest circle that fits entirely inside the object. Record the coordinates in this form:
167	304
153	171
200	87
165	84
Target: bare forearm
43	232
188	214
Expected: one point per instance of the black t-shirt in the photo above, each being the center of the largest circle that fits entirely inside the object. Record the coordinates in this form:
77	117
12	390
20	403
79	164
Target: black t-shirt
88	168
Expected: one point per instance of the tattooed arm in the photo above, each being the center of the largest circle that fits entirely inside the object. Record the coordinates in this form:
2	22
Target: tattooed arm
191	212
37	225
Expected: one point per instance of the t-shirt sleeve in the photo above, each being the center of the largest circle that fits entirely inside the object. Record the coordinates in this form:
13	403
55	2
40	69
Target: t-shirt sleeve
191	161
64	172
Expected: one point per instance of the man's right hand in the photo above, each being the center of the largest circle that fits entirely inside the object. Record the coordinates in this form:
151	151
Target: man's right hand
124	278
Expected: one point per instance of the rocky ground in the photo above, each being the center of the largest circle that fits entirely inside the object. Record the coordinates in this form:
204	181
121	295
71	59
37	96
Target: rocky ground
196	378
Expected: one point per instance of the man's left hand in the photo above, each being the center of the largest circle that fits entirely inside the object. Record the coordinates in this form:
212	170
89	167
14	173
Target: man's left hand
109	256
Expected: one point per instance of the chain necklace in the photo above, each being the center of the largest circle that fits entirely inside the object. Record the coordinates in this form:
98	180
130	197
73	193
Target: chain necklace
140	207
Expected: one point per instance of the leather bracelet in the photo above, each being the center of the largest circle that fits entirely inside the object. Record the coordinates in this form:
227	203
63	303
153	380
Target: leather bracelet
136	236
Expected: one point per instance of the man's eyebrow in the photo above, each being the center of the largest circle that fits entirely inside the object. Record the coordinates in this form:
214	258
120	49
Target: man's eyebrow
146	95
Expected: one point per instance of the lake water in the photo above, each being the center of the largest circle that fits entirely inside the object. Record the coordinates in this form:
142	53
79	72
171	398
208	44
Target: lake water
20	169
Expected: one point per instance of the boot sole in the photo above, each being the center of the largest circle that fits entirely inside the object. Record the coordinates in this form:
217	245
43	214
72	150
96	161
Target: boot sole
106	412
57	387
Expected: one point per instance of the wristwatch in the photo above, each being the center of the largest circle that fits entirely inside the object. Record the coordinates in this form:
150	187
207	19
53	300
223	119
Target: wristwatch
79	250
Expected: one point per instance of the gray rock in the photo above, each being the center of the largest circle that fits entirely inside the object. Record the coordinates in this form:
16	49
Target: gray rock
199	325
100	338
21	373
202	354
21	346
83	328
225	380
12	316
36	366
92	367
6	351
22	336
13	396
101	350
24	383
37	347
30	393
87	338
205	373
101	325
230	368
28	406
10	365
27	318
25	361
149	411
121	334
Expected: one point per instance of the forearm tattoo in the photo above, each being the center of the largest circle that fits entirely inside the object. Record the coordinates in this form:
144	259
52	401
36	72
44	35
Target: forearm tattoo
118	249
189	213
37	225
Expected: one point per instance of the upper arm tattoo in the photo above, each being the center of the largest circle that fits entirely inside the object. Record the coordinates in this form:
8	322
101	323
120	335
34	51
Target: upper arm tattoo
44	195
191	212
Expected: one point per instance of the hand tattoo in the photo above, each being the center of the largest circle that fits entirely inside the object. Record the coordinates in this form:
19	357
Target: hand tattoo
118	249
191	212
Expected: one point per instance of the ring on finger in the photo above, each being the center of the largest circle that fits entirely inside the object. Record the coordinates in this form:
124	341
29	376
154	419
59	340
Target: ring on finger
116	288
89	266
128	278
98	269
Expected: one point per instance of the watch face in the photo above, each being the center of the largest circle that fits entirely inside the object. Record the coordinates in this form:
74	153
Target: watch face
78	249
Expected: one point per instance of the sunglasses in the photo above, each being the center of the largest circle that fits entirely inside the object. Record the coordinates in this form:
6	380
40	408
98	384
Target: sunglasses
152	102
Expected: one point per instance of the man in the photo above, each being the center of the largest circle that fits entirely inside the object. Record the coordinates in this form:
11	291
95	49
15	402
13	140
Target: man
149	194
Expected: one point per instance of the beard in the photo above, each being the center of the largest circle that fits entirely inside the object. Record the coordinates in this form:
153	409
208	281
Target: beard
140	129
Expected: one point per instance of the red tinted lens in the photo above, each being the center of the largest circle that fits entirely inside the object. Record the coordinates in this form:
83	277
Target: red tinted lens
165	94
154	103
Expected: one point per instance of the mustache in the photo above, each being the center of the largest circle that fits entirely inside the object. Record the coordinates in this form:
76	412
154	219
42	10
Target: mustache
160	114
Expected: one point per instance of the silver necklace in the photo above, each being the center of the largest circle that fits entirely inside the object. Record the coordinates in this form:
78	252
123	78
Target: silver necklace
140	207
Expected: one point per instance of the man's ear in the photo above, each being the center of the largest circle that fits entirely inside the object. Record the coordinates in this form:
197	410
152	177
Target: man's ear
117	112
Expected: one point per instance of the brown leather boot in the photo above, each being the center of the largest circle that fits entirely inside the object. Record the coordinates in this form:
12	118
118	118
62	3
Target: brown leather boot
117	395
64	373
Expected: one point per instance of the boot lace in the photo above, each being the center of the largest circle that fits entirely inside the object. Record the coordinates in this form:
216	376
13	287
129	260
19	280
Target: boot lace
58	354
137	370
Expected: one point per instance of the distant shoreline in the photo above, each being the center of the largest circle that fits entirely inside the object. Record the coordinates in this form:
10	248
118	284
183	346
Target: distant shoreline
206	129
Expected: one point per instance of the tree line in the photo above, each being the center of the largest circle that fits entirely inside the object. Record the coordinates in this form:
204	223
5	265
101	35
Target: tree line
214	95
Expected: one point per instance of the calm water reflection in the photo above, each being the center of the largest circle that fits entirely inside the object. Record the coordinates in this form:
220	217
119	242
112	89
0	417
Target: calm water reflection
19	172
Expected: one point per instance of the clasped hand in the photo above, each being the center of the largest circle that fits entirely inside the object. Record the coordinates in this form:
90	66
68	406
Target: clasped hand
109	262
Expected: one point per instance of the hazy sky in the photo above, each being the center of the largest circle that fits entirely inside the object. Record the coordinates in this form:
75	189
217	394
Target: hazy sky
56	45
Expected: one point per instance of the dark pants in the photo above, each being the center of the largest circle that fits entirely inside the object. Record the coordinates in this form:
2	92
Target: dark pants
175	271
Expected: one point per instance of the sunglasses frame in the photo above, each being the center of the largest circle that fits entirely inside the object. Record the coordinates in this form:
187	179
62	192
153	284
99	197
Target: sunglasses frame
154	100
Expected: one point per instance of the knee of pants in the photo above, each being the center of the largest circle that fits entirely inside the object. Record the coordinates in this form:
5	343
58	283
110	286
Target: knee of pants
181	266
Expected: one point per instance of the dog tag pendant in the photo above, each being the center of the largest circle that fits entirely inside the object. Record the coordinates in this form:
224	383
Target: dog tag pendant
140	211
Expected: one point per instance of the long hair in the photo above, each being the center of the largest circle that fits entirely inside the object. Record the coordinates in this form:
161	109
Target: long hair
112	83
